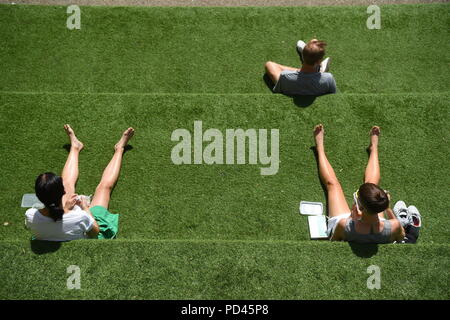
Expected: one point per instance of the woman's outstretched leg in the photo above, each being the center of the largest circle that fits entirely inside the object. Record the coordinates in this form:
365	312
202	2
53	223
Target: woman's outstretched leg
337	204
111	172
372	173
69	174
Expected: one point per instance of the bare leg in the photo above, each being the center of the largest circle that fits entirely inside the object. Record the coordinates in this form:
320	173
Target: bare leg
70	170
111	173
337	204
372	173
274	69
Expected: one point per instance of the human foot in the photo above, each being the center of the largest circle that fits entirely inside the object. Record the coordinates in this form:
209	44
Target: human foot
126	136
374	135
74	142
318	135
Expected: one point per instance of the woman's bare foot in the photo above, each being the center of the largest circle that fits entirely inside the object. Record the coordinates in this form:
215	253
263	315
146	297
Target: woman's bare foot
74	142
318	135
374	135
126	136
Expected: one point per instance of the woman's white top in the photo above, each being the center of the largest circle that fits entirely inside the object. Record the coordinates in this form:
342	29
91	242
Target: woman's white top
73	225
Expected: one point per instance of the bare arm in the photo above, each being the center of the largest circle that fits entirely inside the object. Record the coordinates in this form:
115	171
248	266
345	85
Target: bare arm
399	235
390	214
288	68
95	230
338	234
274	70
355	214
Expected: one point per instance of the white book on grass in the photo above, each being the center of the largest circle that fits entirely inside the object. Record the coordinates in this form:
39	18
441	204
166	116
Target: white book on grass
310	208
30	200
317	227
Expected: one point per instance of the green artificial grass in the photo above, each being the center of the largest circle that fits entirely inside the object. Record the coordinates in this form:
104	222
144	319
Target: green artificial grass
218	50
123	269
222	231
160	200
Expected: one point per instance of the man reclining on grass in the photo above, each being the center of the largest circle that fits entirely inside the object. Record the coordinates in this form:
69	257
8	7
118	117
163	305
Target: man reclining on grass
66	216
311	80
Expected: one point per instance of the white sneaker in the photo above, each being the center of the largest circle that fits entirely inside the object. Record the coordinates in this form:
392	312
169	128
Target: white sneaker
402	214
325	65
415	216
300	45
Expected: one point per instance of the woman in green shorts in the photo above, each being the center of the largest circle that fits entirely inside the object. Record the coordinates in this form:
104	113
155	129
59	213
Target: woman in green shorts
67	216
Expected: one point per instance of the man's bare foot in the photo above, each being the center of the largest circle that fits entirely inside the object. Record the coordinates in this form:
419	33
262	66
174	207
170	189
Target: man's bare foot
318	135
374	135
126	136
74	142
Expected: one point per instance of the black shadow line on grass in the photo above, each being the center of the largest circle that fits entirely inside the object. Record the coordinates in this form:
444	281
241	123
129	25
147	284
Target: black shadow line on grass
268	82
364	250
298	100
303	101
43	247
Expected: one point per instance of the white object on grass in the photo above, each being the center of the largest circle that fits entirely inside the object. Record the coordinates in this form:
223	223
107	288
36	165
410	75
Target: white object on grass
88	198
317	227
29	200
311	208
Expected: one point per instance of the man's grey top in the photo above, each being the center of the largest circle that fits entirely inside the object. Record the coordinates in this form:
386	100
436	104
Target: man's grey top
307	84
382	237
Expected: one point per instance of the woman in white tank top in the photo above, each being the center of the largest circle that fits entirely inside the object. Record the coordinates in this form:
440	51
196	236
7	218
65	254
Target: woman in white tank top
365	223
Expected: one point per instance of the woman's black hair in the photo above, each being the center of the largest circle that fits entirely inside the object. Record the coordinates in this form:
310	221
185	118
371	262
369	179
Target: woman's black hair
373	198
49	190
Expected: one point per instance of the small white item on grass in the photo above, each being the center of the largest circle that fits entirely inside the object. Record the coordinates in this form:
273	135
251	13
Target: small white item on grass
317	227
311	208
6	224
29	200
88	198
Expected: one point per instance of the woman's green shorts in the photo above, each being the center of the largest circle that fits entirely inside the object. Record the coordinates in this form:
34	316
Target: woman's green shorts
108	222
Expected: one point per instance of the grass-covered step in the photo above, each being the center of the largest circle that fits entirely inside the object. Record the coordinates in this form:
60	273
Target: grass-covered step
143	269
218	50
158	199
